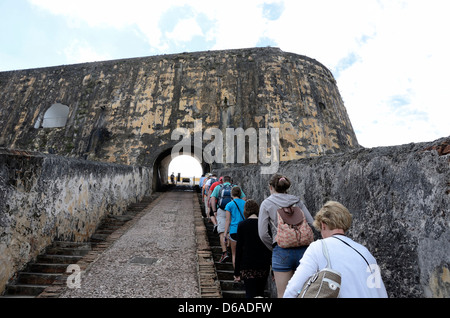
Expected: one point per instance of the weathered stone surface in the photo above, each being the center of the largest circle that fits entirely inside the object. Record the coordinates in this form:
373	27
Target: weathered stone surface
45	197
155	258
125	111
399	197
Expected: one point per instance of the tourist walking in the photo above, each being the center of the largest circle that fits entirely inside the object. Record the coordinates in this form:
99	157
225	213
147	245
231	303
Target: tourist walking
219	199
234	211
284	260
360	274
211	178
253	258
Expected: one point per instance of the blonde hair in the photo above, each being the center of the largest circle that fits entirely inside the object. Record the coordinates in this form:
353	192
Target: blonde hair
335	215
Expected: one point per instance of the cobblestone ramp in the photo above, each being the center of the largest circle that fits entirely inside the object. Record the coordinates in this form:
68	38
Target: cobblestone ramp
158	248
156	257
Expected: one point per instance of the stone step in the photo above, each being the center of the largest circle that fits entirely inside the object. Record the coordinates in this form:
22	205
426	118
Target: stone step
23	289
17	296
233	293
47	268
106	231
224	271
66	244
225	274
137	207
99	237
37	278
58	259
53	263
231	285
109	227
224	266
217	256
120	218
67	251
216	249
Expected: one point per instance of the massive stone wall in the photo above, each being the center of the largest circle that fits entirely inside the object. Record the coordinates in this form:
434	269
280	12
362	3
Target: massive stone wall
124	111
399	197
45	197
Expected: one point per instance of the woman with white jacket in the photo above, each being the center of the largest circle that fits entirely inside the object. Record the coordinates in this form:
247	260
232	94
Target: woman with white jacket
360	274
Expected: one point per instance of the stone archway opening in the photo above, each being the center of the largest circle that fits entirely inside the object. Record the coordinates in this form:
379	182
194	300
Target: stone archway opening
193	167
185	168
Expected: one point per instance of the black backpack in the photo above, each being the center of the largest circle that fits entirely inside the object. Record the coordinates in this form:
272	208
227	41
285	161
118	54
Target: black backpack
224	196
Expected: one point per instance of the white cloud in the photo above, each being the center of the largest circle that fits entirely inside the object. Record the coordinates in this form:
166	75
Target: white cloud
80	51
238	26
185	30
390	57
404	59
111	13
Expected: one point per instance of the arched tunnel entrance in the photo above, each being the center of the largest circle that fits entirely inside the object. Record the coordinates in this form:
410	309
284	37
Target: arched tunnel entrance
161	170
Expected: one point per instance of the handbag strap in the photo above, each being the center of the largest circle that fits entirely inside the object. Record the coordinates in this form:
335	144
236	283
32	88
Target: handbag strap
325	253
352	248
238	209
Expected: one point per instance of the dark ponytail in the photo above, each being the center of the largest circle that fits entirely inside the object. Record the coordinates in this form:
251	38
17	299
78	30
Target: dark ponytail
280	183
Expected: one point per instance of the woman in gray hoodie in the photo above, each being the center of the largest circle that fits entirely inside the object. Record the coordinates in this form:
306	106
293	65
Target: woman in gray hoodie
284	260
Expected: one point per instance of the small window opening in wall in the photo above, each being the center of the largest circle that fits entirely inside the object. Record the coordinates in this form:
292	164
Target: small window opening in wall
225	101
322	106
55	117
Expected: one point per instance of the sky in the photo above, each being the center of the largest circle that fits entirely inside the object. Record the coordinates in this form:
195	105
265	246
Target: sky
390	58
188	166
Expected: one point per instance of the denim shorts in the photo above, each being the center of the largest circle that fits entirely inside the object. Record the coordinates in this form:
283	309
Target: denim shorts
287	259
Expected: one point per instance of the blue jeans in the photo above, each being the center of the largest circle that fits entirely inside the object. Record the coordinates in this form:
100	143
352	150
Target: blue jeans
287	259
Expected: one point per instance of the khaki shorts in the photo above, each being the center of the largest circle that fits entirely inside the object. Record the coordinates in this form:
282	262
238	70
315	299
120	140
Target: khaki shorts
221	219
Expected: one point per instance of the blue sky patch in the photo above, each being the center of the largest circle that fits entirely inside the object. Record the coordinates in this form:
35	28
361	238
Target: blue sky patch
345	63
172	16
273	11
265	42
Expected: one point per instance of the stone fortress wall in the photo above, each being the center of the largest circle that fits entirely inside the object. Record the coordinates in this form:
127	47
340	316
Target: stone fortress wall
107	126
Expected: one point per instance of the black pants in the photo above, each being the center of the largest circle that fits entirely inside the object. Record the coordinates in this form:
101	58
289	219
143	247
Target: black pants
254	287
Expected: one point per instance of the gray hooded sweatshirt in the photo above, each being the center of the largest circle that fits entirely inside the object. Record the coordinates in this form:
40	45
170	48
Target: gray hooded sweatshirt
267	219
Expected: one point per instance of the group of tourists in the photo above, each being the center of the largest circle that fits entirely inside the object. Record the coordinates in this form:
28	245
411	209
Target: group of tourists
277	237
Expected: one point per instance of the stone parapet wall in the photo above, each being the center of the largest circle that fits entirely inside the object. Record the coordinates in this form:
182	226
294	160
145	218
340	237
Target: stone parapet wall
399	197
45	197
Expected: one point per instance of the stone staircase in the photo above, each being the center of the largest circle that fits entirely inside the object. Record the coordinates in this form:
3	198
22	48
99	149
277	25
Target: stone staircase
50	267
229	288
225	272
46	269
